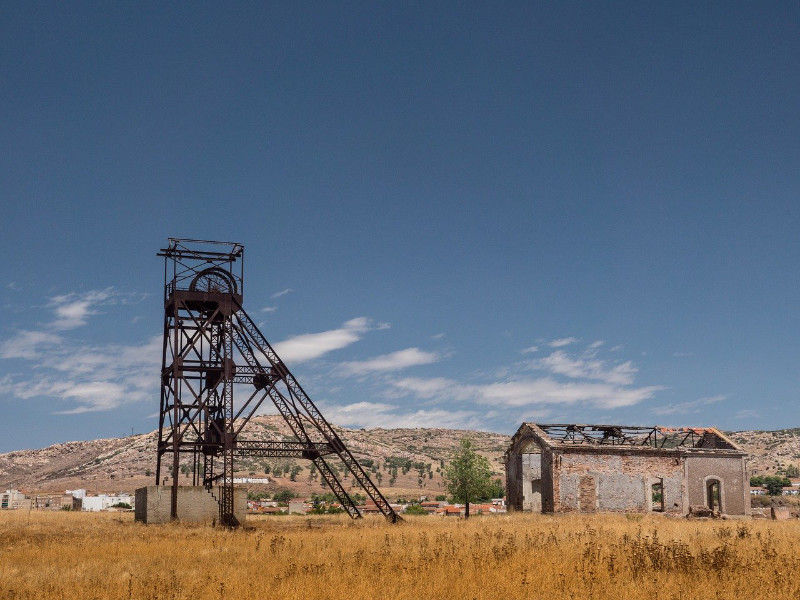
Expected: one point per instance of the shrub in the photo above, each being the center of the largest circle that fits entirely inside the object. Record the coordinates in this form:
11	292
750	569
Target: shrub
415	509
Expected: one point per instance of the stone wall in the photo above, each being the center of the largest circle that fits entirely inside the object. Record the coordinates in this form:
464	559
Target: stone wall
514	495
730	471
195	504
617	482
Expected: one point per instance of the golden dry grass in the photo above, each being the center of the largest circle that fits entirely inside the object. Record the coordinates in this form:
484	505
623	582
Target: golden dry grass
91	556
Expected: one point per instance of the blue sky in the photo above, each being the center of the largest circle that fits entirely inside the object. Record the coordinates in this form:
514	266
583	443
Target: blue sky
454	214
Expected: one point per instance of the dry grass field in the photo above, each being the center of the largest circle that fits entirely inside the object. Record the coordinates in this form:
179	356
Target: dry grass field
90	556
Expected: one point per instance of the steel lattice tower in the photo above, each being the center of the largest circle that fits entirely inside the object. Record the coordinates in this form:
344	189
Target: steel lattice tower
211	347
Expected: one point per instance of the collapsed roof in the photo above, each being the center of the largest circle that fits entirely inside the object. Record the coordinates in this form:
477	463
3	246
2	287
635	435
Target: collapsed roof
576	434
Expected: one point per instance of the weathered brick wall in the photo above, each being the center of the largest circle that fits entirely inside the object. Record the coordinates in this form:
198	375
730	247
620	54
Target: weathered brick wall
514	481
620	482
195	504
732	474
549	482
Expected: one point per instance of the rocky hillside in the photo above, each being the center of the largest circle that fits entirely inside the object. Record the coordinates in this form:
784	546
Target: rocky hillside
404	462
770	451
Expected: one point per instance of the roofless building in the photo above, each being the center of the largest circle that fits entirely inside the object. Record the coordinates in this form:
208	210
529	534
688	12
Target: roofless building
559	468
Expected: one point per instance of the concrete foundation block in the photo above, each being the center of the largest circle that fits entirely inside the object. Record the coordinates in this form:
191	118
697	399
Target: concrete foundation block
196	504
781	513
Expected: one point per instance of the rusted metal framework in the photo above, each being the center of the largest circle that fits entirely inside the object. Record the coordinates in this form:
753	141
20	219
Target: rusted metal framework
211	348
623	435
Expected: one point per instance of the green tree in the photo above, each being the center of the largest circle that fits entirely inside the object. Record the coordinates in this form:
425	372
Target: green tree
283	496
468	475
792	471
295	472
775	484
496	489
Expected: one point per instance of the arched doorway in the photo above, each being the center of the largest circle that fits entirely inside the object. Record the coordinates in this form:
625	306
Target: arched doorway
532	470
714	494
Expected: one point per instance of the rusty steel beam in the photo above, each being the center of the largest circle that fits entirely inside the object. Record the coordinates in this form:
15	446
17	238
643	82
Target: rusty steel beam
210	344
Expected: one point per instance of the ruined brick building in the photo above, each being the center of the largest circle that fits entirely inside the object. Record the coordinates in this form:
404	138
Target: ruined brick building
592	468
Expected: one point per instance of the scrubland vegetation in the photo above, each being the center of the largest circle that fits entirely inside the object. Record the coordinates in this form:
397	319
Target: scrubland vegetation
91	556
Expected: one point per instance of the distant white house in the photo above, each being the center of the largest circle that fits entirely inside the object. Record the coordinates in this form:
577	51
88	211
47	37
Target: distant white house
250	480
104	502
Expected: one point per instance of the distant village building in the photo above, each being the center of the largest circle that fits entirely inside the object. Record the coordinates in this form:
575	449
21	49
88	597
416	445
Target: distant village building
14	500
592	468
101	502
263	480
52	501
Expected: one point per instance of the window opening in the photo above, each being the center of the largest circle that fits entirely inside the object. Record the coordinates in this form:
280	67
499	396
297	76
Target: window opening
657	496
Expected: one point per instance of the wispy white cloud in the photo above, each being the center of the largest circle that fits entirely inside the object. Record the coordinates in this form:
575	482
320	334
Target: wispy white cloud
571	379
93	396
282	293
269	309
92	378
527	392
394	361
560	343
96	378
681	354
693	406
73	309
13	286
586	366
309	346
374	414
438	336
747	414
28	344
530	350
549	391
431	387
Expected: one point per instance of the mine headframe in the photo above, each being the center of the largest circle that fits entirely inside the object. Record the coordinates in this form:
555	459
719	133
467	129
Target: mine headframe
211	348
